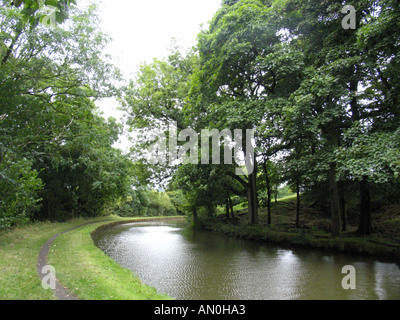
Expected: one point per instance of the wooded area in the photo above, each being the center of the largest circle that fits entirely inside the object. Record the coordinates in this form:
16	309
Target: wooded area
322	100
56	154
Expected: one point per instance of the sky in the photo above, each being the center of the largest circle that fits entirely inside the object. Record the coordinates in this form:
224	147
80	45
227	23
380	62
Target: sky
143	30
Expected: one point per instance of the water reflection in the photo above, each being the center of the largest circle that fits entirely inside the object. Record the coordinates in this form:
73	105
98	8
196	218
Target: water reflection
198	265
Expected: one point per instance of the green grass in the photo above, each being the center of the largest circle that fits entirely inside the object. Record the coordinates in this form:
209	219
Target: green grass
243	205
288	198
19	250
80	265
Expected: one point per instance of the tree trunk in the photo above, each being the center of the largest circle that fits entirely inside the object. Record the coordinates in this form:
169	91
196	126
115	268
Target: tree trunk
227	209
269	207
334	201
252	199
342	204
342	207
231	207
269	193
298	204
365	227
354	102
210	210
195	216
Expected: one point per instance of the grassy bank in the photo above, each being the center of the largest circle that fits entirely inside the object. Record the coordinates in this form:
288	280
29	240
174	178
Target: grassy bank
314	231
79	264
19	250
92	275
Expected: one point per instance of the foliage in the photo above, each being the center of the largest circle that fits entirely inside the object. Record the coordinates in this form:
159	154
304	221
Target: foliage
19	186
143	202
323	101
56	154
34	11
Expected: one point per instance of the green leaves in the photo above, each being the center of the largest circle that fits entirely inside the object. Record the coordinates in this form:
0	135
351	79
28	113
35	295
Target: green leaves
49	79
33	11
19	186
239	35
365	157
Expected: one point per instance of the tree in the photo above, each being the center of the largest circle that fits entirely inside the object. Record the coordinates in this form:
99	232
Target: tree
321	99
328	99
154	101
49	81
272	178
235	74
34	11
84	174
378	120
368	163
19	186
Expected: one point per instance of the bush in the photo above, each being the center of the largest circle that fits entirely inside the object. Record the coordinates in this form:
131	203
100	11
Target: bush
19	186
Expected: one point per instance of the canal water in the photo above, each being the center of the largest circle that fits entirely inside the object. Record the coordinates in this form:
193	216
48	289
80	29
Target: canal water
195	265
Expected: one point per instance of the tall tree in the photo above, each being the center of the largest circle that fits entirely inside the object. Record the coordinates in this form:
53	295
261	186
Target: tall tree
328	98
50	78
155	101
235	73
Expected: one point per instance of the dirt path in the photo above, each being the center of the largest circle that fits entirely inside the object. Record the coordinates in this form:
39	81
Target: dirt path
61	292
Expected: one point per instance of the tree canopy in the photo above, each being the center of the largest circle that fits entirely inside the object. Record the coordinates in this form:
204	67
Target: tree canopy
56	154
321	99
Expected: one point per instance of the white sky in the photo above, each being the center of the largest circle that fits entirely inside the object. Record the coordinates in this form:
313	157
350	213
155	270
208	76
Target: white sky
143	30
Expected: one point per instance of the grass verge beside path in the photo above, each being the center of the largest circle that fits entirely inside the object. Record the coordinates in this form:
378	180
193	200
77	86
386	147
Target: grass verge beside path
19	251
90	274
79	264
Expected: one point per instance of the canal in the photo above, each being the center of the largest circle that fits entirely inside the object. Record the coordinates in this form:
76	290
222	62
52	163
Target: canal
188	264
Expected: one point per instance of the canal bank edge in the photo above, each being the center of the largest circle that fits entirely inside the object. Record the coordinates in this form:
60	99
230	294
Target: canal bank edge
259	234
110	225
363	246
61	292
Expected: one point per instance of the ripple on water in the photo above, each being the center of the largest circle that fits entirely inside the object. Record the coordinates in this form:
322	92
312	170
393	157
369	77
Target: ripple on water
191	265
